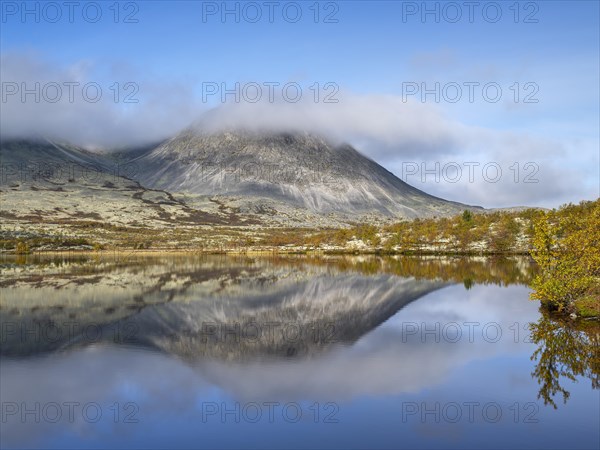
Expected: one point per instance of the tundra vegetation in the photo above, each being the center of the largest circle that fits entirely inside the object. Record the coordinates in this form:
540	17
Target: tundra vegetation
564	242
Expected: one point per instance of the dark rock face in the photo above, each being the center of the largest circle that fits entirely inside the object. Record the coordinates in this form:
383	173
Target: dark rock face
299	169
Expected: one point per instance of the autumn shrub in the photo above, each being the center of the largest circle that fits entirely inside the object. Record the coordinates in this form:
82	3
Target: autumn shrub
566	246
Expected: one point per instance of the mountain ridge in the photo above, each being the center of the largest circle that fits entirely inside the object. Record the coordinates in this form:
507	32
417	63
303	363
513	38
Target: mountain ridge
302	169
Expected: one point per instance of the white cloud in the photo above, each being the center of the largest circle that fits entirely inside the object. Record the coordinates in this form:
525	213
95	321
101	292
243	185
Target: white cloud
58	109
383	127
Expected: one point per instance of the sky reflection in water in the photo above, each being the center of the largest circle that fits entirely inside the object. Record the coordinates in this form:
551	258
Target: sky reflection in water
396	361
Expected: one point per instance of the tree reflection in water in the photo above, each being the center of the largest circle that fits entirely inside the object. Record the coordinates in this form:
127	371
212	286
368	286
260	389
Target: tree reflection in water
565	350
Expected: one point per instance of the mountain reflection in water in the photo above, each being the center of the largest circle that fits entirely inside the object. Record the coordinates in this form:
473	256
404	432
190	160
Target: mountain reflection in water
166	331
224	308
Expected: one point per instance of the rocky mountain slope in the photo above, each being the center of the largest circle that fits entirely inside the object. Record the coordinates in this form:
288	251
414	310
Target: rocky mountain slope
296	169
198	181
56	184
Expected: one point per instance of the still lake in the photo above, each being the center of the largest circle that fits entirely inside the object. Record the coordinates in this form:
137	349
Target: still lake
193	351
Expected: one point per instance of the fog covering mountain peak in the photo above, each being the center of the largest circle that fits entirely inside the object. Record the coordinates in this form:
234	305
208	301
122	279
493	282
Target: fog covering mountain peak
298	168
292	176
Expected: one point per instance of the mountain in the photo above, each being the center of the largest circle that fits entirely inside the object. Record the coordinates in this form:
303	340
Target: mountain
295	169
46	185
204	179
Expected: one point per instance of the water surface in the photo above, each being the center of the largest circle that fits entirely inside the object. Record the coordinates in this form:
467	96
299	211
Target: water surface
189	351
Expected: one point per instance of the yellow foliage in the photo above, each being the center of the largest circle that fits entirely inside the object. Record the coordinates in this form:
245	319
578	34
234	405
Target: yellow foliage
566	246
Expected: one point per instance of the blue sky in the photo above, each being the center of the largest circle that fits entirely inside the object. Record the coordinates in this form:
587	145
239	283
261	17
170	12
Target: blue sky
369	53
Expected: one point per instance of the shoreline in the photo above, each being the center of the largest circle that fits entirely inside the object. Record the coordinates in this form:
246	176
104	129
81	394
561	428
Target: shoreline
579	310
273	250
